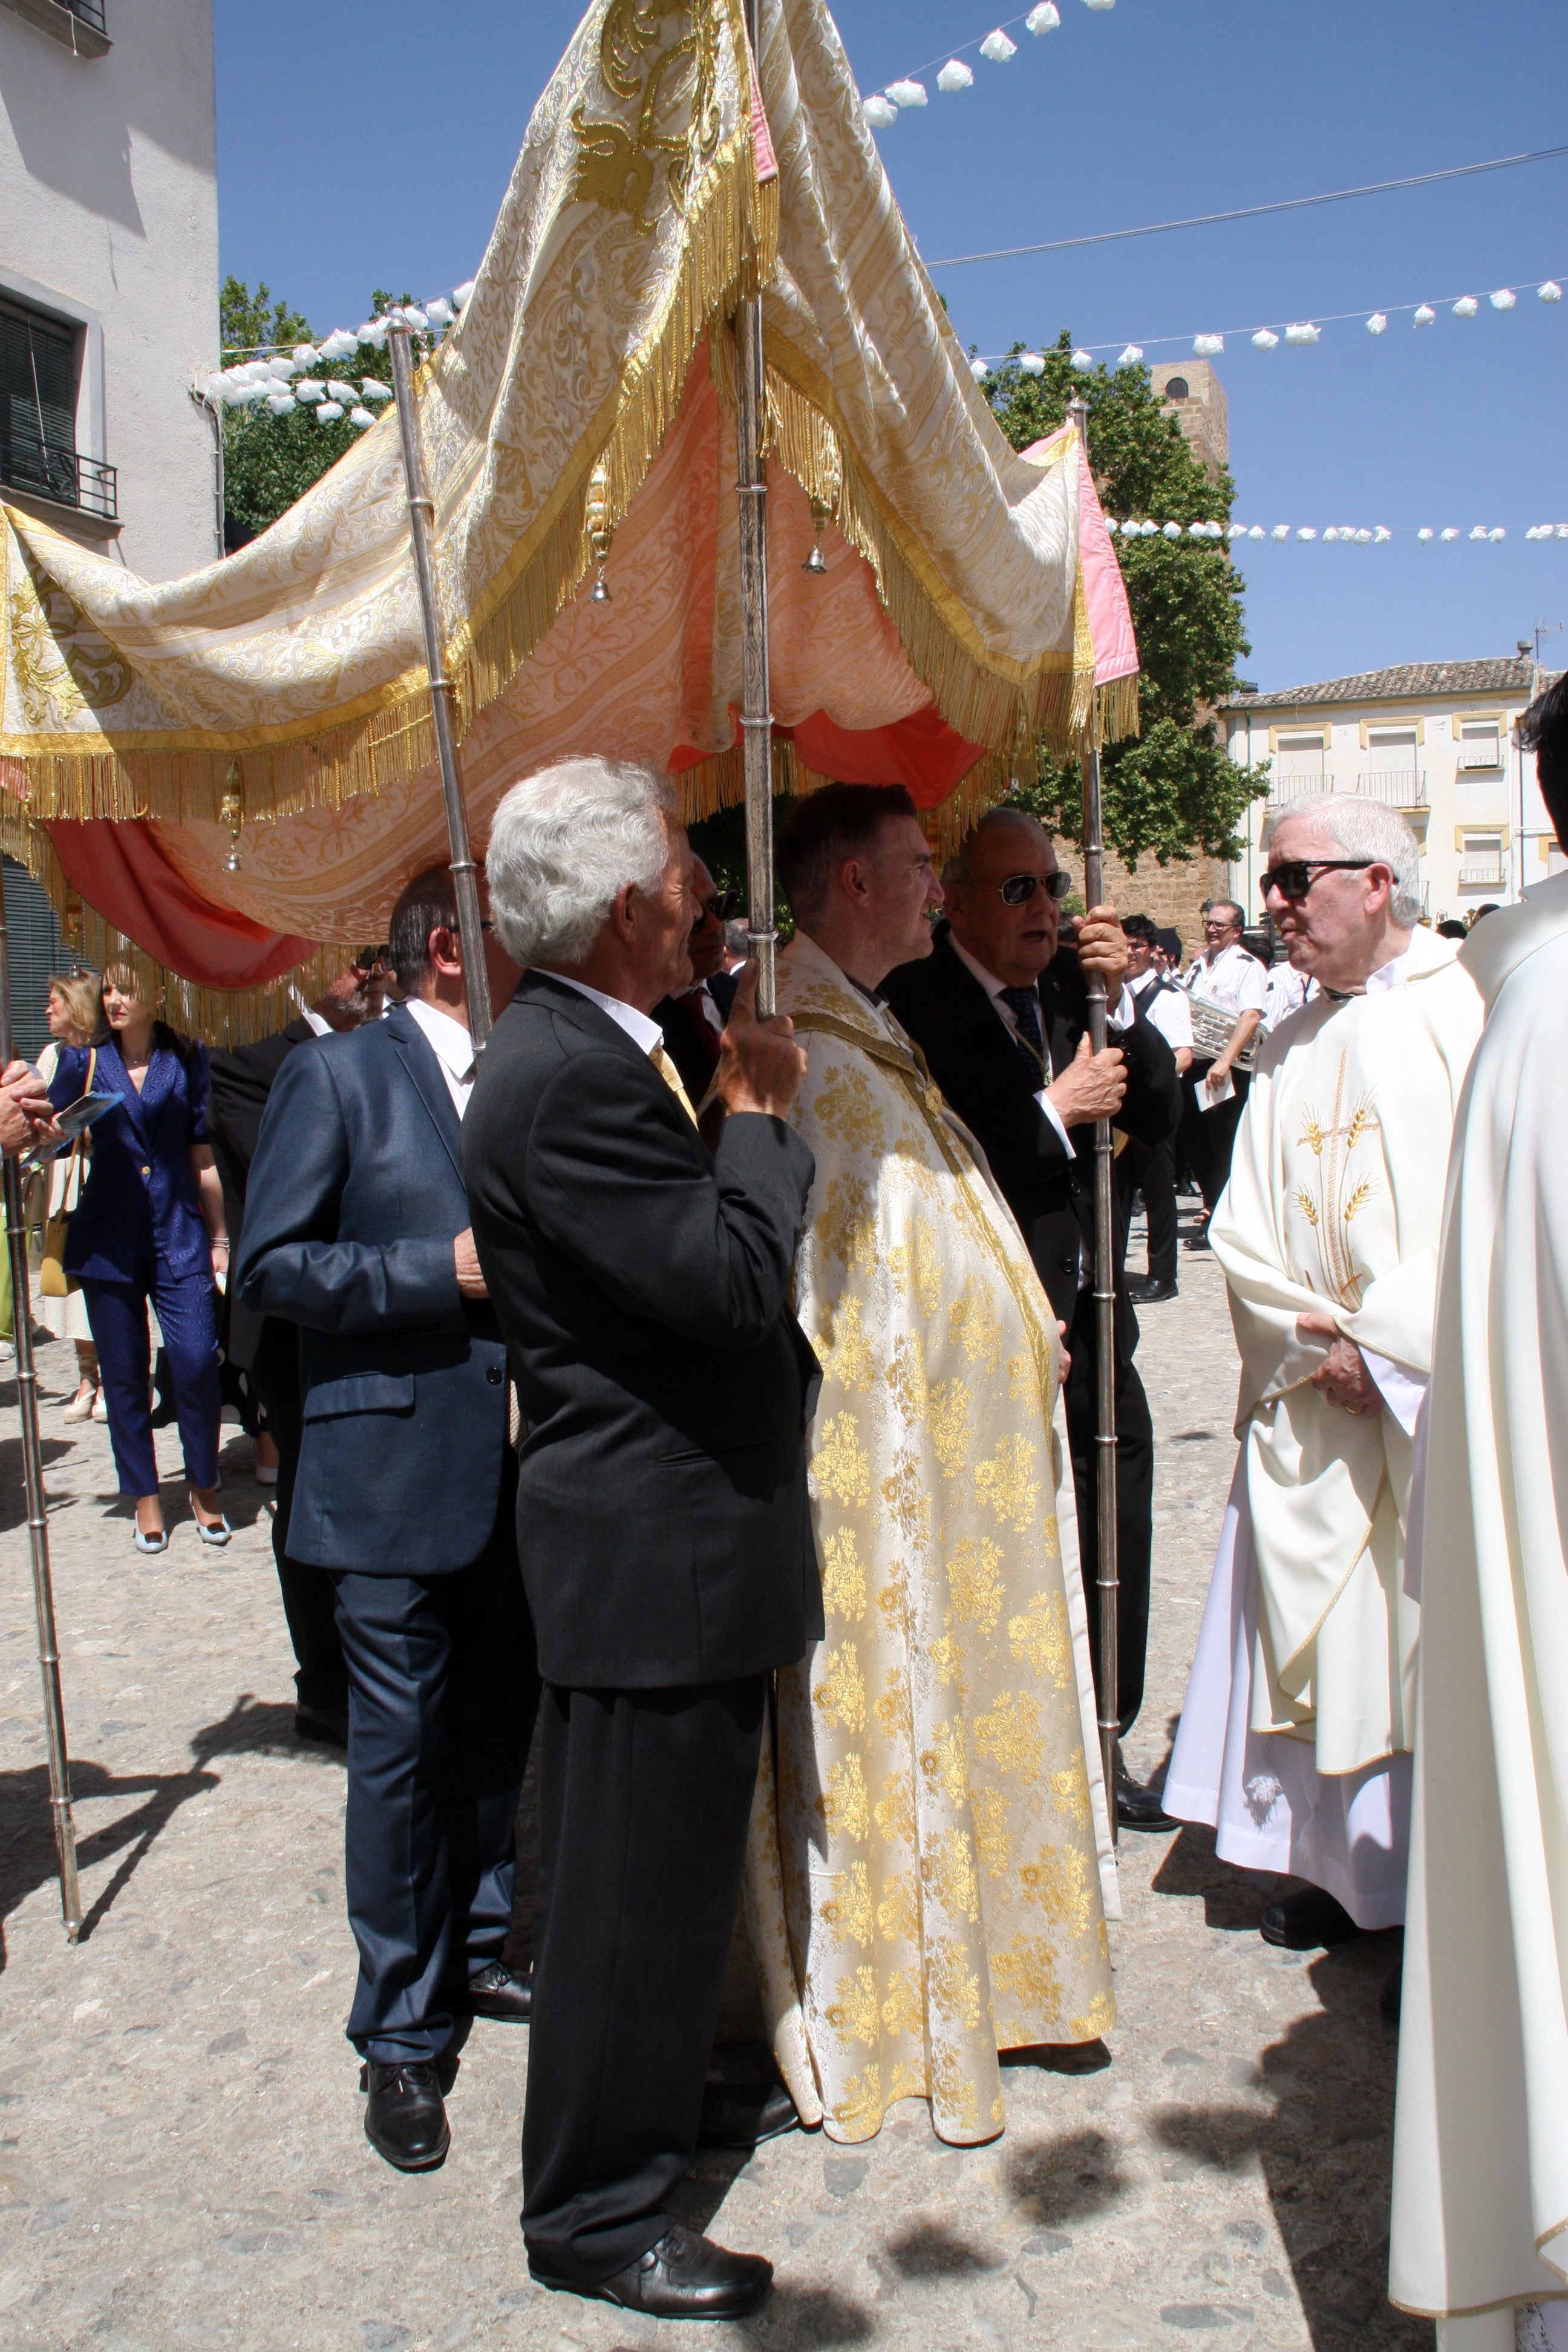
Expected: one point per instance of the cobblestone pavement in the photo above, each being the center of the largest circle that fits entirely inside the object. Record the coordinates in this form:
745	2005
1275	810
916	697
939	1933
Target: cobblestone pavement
182	2160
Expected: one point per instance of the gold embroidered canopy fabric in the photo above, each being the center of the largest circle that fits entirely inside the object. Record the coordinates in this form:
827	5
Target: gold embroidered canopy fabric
596	336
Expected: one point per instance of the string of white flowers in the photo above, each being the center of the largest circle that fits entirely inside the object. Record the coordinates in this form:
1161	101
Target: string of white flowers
282	382
1340	534
884	106
1301	332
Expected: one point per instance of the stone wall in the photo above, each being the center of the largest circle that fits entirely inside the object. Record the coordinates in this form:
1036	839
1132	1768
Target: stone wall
1172	893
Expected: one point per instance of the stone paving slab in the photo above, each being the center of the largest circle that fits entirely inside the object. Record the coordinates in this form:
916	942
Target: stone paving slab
182	2157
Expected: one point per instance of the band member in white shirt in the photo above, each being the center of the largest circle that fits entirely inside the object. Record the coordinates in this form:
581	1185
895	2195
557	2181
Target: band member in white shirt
1225	976
1151	1168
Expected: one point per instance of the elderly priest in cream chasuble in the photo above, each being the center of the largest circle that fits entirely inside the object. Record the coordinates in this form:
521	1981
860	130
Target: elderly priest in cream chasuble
1299	1720
922	1884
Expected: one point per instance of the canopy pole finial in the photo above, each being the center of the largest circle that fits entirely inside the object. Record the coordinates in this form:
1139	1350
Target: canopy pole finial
1104	1263
421	514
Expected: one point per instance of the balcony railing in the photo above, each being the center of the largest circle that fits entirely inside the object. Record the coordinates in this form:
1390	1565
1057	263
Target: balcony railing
1483	756
64	476
1401	788
76	25
1480	877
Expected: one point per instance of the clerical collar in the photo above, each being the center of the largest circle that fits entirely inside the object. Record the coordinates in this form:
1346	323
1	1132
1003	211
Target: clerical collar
871	995
1387	975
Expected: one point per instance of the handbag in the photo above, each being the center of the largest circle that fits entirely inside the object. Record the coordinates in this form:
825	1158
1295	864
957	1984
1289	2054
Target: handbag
52	1280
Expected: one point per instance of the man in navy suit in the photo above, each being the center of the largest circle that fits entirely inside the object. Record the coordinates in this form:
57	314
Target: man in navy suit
357	1231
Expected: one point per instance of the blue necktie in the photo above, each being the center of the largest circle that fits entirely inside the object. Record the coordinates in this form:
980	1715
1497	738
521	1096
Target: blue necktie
1024	1003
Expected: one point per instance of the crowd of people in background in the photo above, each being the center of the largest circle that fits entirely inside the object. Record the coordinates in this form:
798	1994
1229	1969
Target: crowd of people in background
681	1382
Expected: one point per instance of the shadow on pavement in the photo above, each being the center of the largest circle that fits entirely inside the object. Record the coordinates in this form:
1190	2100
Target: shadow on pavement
1065	2179
12	1492
1234	1899
1325	2151
818	2316
27	1849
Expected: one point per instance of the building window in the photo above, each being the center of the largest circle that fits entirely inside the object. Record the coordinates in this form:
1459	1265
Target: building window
34	948
38	414
1481	861
1177	387
1480	745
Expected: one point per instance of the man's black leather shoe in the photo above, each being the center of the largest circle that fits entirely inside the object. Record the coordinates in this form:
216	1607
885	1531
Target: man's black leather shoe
1138	1808
496	1992
1307	1920
322	1724
405	2116
1198	1241
1150	1294
743	2115
683	2277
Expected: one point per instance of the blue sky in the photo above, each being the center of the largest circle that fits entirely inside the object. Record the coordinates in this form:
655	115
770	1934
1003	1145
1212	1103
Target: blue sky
361	147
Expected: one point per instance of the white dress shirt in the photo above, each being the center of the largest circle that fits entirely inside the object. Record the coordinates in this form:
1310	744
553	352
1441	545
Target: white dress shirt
1122	1018
320	1028
452	1046
1234	981
643	1032
1166	1010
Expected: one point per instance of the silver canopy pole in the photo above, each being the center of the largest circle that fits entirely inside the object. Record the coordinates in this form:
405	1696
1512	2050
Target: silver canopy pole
38	1510
1104	1266
421	517
756	711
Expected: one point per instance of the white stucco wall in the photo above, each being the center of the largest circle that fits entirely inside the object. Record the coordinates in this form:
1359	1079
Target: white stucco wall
109	212
1456	801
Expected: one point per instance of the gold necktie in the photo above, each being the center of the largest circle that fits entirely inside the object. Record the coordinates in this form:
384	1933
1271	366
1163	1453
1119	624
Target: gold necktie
671	1076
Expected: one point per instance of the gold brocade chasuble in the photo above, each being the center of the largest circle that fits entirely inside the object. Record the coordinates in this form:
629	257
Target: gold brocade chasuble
1335	1203
921	1883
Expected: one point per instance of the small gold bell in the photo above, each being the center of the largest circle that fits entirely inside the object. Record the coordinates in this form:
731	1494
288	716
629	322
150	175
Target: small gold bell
600	535
231	812
821	516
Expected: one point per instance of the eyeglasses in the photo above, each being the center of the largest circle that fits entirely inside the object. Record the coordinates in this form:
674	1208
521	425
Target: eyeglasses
723	906
1294	877
1019	888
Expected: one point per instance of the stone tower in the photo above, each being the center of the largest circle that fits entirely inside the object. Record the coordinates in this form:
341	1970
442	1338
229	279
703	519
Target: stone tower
1192	391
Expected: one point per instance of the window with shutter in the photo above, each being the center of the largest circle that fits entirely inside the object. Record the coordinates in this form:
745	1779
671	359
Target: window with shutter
34	947
37	405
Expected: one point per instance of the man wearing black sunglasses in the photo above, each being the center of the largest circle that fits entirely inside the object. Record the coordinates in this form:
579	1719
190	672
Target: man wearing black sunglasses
693	1021
1001	1011
1298	1719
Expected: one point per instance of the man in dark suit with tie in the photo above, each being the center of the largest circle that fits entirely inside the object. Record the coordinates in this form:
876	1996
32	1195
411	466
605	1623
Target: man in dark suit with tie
693	1019
643	1285
1001	1012
240	1081
357	1231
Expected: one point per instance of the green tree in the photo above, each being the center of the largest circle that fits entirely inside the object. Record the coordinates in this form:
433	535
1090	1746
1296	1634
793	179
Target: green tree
268	461
1174	792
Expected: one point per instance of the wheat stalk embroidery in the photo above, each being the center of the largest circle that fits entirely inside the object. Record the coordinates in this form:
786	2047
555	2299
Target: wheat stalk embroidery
1337	1195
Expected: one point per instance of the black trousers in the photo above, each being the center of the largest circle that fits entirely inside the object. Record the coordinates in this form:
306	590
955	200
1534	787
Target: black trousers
1134	1505
1150	1168
310	1603
1209	1136
643	1802
443	1693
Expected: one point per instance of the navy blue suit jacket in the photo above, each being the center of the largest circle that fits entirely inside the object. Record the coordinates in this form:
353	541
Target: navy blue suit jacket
354	1201
141	1196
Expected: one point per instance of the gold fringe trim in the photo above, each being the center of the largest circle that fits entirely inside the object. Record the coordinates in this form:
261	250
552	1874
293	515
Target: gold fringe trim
219	1016
731	249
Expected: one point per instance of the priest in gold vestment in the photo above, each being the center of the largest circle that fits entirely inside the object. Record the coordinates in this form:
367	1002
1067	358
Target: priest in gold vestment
1299	1720
923	1884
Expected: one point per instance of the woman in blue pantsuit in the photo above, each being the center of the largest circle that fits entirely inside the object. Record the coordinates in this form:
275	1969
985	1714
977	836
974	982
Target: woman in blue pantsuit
149	1225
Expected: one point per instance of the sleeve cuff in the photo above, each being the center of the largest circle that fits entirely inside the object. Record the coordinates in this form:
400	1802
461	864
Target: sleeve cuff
1402	1389
1049	1106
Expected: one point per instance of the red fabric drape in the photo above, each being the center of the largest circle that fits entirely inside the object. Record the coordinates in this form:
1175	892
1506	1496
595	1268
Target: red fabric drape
123	874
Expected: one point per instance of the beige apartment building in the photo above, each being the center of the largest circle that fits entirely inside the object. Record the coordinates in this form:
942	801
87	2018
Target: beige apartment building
1435	740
